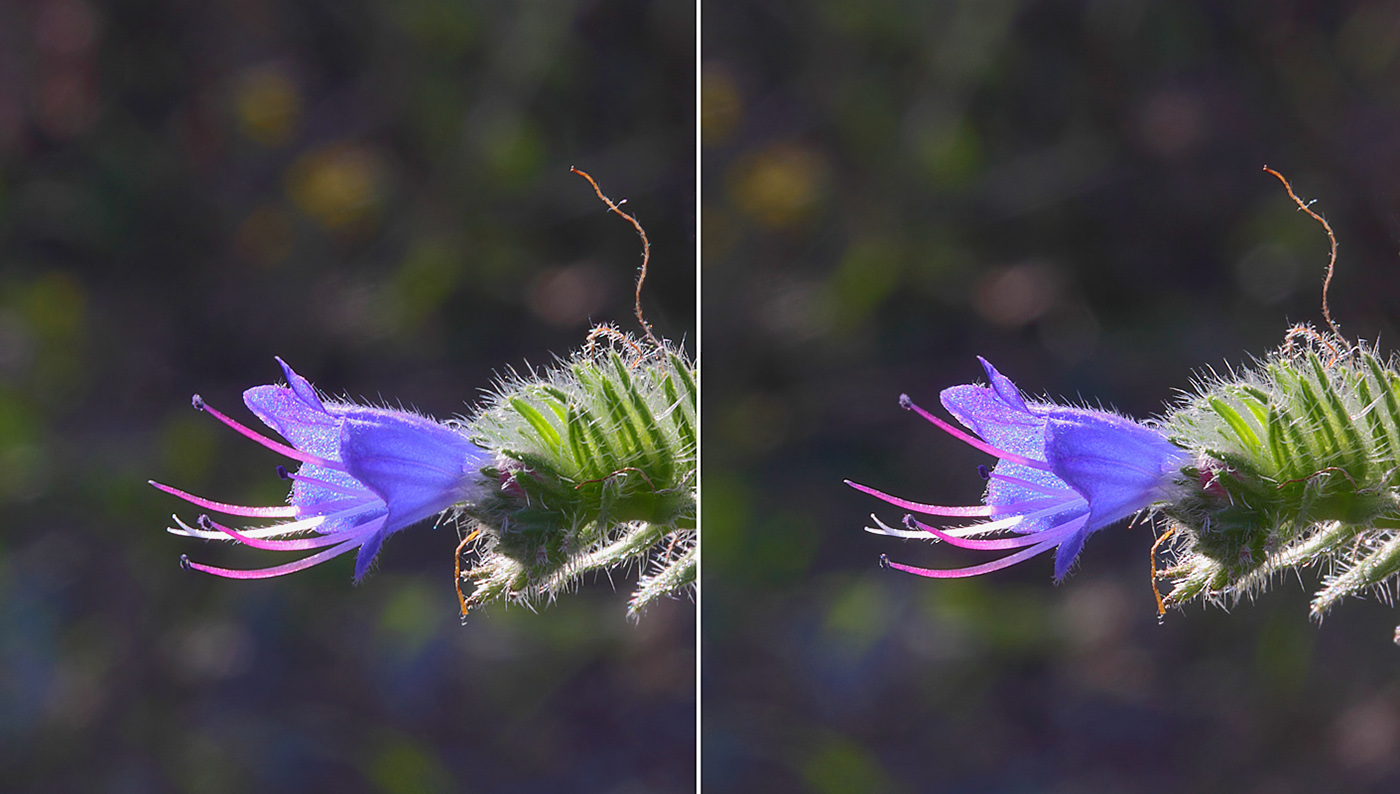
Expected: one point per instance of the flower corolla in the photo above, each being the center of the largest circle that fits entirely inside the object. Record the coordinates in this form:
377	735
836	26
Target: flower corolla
1063	473
365	474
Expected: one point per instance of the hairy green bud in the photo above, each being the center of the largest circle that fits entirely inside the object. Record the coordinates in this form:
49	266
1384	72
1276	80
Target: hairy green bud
595	471
1297	465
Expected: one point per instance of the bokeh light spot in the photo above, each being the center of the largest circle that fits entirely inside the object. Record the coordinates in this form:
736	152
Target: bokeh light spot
514	152
838	765
781	185
268	105
949	148
721	104
1171	122
340	186
1014	296
426	279
868	273
569	296
404	767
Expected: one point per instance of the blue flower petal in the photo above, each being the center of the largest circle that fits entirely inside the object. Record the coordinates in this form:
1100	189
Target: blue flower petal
301	387
1004	388
309	428
417	466
1118	465
367	552
1067	551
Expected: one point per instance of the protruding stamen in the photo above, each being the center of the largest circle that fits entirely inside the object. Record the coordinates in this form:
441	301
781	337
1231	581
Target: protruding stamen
274	531
977	570
185	562
281	570
968	511
197	402
297	544
1055	534
283	473
275	446
971	440
287	511
1008	524
984	472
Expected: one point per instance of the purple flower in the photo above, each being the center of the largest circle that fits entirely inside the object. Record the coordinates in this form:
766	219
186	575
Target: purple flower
365	474
1064	473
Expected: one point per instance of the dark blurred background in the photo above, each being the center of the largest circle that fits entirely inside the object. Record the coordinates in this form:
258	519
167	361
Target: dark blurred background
1073	190
379	193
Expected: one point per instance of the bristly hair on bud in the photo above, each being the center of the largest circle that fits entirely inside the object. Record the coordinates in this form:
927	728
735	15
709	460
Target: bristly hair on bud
596	469
597	472
1297	466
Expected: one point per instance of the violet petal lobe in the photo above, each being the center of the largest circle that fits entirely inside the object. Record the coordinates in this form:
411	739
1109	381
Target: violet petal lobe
1067	551
1118	465
417	466
310	428
368	549
1001	417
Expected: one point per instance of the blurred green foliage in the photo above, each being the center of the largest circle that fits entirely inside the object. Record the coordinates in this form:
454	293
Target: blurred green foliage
378	192
1072	190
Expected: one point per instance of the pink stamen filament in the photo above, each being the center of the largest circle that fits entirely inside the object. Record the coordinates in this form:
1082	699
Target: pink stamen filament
275	446
972	440
1046	542
970	511
298	544
353	507
287	511
975	570
1000	544
279	570
274	531
1013	523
